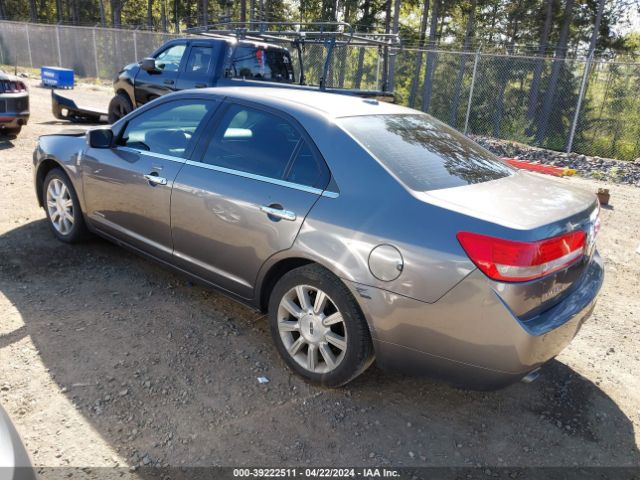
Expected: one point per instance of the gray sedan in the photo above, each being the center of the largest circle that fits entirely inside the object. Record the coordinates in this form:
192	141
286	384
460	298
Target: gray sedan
15	463
366	230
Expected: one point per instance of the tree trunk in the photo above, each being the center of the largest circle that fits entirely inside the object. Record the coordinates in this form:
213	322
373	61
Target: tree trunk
150	14
539	66
204	17
343	58
560	54
59	10
163	15
596	27
392	60
494	17
365	18
385	58
32	11
103	20
428	71
176	19
243	11
413	91
504	81
453	115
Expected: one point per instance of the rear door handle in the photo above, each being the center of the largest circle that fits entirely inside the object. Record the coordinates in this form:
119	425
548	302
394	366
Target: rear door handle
279	213
200	85
155	179
168	82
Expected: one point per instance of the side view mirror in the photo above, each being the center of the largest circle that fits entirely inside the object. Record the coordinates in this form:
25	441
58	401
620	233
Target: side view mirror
149	65
100	138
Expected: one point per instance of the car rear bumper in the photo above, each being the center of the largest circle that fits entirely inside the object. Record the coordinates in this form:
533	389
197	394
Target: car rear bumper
13	121
14	110
469	337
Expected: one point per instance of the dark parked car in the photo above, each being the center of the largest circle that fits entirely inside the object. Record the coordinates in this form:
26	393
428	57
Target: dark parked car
363	228
14	104
197	63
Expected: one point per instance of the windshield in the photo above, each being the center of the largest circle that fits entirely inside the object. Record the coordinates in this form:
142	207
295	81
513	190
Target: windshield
259	63
424	153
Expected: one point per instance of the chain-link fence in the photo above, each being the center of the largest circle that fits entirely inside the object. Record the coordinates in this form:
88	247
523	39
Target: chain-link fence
588	106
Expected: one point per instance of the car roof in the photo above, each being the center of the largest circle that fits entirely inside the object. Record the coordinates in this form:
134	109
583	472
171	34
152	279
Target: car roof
231	40
330	105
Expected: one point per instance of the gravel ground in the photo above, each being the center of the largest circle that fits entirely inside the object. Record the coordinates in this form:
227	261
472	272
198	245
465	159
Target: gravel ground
107	359
615	171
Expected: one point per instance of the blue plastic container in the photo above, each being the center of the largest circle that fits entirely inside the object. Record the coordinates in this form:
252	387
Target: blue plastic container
56	77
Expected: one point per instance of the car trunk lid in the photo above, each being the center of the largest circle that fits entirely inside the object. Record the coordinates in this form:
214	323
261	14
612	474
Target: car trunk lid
526	207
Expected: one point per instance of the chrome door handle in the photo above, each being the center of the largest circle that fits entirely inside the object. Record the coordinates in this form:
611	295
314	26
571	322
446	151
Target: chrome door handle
279	213
156	179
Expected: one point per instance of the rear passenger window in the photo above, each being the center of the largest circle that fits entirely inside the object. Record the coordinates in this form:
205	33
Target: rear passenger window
199	59
253	141
167	128
308	170
259	63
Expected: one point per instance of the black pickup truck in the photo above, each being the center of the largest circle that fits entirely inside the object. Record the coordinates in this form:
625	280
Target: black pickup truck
226	58
197	63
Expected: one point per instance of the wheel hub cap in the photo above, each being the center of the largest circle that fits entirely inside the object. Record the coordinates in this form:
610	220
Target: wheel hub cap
312	329
60	206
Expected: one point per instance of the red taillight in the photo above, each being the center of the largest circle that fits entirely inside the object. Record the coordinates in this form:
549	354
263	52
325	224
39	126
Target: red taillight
509	261
8	86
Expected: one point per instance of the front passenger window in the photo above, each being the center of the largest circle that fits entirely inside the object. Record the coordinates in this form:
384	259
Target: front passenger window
169	60
166	129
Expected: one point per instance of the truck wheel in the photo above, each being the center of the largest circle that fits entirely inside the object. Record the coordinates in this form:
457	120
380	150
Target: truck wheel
119	106
12	132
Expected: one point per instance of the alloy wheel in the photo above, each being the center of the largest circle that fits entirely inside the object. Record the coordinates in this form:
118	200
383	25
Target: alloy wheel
312	329
60	206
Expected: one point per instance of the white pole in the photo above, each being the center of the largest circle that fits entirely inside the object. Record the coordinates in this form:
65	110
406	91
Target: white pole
473	83
58	44
95	52
583	87
29	45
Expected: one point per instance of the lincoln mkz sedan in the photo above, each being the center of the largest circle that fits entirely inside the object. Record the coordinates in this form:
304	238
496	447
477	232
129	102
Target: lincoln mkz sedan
366	230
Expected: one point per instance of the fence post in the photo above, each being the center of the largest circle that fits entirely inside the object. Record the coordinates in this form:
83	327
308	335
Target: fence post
95	52
29	45
576	115
58	44
135	44
473	83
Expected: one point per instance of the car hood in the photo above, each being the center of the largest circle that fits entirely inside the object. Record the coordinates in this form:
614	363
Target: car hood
522	201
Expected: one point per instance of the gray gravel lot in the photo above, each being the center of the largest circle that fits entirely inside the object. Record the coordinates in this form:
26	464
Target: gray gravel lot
108	359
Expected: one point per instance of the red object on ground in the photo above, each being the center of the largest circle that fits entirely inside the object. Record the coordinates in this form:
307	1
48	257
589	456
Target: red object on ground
536	167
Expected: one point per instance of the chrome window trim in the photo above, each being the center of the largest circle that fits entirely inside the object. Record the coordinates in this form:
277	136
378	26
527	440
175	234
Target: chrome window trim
260	178
154	154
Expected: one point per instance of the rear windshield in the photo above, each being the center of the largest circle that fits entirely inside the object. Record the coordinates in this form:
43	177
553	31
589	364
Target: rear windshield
424	153
259	63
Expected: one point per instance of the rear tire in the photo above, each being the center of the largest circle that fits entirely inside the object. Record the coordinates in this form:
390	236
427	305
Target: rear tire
318	327
62	207
119	106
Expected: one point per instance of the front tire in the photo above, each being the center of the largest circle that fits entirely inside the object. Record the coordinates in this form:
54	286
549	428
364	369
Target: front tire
318	328
62	207
119	106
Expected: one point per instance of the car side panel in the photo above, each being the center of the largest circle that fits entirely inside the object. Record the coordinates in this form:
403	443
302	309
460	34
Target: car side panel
219	230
